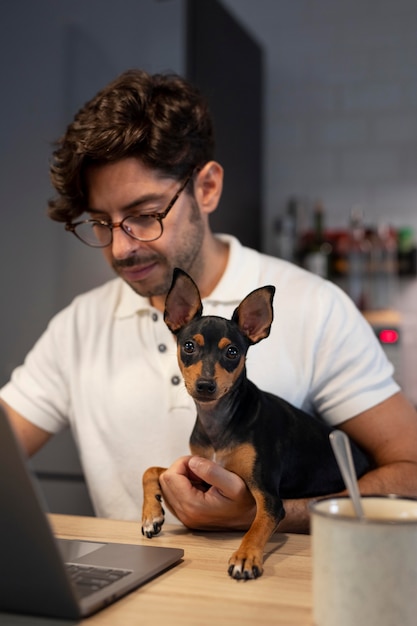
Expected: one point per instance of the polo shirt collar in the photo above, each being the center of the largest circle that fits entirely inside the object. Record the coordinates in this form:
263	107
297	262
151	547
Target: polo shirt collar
240	276
130	303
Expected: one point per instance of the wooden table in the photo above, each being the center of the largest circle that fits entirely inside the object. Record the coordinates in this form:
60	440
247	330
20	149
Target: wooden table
198	591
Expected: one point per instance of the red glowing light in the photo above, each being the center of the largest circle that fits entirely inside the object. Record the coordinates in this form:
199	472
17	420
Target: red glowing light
388	335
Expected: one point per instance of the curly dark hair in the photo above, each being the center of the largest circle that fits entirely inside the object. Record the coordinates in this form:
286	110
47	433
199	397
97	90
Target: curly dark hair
161	119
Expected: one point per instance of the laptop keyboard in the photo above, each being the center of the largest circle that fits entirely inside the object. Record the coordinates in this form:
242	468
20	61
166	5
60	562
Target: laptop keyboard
88	579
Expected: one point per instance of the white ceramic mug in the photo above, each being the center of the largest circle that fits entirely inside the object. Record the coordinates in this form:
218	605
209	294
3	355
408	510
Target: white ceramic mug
364	571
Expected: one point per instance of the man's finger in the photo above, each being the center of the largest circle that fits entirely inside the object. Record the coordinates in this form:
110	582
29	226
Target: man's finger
228	483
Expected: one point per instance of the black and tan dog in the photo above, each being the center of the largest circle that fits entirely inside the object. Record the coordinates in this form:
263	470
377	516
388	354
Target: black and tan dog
279	451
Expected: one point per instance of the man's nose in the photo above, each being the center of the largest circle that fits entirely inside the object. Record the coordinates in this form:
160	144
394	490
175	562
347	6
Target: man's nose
122	244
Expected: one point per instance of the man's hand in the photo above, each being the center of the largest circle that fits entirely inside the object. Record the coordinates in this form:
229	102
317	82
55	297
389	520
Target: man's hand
205	496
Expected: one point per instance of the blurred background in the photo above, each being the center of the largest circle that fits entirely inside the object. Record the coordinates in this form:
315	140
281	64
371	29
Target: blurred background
315	106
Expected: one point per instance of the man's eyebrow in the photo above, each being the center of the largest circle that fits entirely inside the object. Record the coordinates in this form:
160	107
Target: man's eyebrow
134	204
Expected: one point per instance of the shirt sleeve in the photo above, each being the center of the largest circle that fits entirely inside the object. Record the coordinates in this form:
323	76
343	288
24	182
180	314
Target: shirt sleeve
39	389
351	372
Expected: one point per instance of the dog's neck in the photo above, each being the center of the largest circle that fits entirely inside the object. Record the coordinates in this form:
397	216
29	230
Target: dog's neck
217	419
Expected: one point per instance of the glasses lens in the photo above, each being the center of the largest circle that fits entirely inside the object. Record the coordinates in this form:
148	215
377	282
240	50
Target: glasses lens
143	227
94	233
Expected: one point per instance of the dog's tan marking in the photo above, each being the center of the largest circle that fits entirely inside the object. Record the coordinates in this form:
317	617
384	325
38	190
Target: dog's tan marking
199	338
152	511
239	460
190	375
224	379
247	561
204	452
223	343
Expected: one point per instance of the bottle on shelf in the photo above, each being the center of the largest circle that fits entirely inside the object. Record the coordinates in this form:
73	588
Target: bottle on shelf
358	260
407	252
286	235
383	267
317	249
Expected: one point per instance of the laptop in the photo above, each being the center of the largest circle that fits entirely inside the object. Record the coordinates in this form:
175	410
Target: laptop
42	575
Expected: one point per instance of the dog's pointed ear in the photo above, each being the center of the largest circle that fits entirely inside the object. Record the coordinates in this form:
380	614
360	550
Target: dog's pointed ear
254	314
183	301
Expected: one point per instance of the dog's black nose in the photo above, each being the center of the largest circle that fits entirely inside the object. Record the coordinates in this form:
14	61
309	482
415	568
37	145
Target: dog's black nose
205	386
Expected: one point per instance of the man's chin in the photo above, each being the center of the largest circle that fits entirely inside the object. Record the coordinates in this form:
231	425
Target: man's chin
148	289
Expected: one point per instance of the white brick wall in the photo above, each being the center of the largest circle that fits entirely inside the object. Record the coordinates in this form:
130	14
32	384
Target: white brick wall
341	105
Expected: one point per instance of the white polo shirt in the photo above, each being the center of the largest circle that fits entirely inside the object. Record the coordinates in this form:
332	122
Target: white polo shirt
106	365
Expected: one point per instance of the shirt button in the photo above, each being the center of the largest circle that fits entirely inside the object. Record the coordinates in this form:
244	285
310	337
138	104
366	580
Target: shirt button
162	347
155	317
175	380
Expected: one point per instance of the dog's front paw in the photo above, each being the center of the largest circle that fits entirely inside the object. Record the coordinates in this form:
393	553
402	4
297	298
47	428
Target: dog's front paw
245	565
153	517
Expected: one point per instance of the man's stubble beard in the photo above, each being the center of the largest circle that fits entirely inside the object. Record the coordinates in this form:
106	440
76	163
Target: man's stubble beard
187	257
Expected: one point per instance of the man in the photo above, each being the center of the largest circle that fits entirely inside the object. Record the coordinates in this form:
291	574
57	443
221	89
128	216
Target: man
135	176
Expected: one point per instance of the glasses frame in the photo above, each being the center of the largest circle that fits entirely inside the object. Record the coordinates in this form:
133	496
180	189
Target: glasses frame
159	217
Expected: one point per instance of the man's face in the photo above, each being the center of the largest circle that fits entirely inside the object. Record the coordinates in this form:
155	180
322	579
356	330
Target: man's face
127	187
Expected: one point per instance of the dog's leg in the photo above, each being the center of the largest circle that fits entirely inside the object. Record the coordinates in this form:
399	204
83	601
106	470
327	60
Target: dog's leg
247	561
153	515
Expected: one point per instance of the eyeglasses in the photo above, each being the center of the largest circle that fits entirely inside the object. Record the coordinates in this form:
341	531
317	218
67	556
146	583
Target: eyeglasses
146	227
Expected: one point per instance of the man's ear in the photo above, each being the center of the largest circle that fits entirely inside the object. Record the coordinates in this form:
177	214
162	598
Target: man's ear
208	185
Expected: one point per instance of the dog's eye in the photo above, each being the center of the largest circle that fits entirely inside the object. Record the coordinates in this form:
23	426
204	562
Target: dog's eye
232	352
189	347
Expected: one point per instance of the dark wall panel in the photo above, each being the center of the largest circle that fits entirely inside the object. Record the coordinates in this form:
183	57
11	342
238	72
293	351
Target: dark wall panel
226	63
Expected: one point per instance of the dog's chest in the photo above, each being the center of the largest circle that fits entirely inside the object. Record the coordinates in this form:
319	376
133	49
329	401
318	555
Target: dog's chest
240	459
222	457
